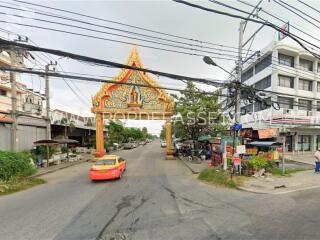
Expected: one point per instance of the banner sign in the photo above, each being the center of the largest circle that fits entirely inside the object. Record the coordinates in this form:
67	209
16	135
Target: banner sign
267	133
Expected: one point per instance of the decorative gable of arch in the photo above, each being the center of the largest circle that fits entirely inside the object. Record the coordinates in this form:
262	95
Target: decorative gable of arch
123	100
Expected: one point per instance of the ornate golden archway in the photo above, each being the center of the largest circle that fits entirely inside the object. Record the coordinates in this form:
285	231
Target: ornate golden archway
125	101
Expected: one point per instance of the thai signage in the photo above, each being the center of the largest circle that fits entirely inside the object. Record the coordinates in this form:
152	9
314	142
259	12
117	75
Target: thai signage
267	133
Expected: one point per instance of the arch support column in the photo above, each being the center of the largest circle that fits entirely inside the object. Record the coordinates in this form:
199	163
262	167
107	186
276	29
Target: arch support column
99	136
169	140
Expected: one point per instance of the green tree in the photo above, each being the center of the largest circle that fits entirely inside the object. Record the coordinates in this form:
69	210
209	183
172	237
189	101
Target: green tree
196	114
116	132
145	132
163	132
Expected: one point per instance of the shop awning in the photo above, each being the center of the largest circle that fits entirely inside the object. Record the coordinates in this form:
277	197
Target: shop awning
264	144
6	119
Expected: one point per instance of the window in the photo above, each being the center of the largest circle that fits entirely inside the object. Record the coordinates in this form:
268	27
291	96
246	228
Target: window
259	106
304	104
286	81
305	85
247	109
105	162
263	63
304	143
3	92
264	83
318	69
286	60
285	103
247	74
318	86
306	64
318	141
318	106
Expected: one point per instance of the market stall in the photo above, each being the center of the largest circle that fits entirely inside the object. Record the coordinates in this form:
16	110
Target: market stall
268	150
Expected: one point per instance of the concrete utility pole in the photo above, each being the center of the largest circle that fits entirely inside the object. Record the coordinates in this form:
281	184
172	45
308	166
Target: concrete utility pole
47	92
15	55
239	71
13	80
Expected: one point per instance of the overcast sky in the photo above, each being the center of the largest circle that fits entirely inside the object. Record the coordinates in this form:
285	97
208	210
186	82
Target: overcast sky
164	16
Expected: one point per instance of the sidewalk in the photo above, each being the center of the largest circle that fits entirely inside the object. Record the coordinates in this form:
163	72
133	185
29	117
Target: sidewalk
279	185
195	168
306	157
54	168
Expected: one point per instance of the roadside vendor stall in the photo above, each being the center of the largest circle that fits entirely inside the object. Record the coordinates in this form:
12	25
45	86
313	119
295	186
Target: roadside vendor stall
268	150
221	144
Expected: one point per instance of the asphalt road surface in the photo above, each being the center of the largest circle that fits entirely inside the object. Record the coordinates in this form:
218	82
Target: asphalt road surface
155	199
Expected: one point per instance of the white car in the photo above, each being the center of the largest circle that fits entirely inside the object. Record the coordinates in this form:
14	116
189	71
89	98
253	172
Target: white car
163	144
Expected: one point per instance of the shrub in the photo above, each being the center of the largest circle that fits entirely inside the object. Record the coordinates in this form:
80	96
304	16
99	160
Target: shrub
257	162
14	164
217	176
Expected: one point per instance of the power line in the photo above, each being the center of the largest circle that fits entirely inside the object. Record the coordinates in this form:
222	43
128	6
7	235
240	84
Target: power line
124	24
290	7
279	19
291	35
90	79
106	27
111	40
313	8
50	59
105	63
120	35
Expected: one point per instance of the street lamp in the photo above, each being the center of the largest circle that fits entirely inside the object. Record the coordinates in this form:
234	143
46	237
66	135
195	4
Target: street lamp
208	60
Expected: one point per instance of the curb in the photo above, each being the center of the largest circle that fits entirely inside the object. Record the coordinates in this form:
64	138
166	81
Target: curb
190	168
276	193
252	190
60	168
298	162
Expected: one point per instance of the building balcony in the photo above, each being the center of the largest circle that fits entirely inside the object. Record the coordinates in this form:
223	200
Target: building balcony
5	59
280	118
4	76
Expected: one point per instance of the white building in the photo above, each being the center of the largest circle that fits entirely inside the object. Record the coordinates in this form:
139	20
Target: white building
293	76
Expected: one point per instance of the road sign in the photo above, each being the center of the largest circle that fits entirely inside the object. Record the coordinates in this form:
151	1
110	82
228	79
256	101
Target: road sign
241	149
236	160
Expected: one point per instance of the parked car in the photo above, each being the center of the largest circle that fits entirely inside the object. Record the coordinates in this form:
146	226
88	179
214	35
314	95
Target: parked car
163	144
128	146
135	144
142	143
107	167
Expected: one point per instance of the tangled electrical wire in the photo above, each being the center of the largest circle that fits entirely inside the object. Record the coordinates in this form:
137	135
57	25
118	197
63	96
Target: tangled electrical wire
248	95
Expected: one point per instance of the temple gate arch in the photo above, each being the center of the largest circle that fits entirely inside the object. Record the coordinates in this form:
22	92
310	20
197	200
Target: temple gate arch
119	101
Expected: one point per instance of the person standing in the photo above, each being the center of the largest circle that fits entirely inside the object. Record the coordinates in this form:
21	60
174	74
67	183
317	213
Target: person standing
317	156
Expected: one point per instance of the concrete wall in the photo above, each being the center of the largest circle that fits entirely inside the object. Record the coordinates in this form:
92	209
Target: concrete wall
27	135
5	137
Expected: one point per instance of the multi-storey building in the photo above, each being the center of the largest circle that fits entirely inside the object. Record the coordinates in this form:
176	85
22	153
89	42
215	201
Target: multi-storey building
290	79
30	110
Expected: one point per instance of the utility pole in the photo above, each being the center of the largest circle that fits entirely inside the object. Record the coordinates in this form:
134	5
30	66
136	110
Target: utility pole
47	92
13	81
16	55
239	71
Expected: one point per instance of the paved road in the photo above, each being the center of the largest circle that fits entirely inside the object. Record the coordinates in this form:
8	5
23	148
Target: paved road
156	199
